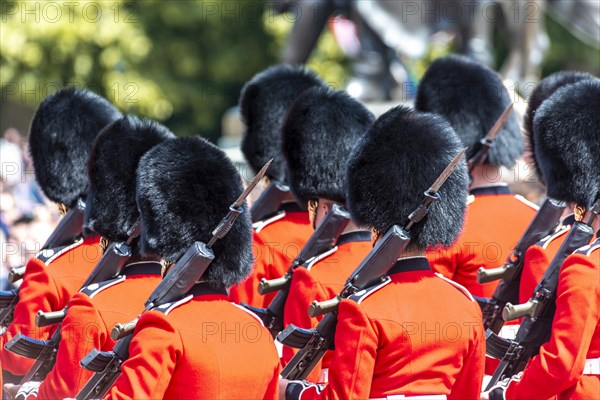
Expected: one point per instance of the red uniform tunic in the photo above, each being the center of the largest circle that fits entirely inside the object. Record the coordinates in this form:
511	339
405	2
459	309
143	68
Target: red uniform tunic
49	282
322	280
558	369
536	261
538	257
495	221
277	242
91	315
202	347
414	334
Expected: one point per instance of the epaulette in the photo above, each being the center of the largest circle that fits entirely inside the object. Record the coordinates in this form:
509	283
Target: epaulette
460	287
95	288
319	257
259	226
363	294
168	307
253	315
545	242
48	255
527	202
587	250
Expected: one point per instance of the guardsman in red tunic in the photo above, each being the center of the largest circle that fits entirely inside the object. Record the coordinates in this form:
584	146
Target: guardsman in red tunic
539	256
471	97
111	212
202	346
61	134
417	333
321	129
568	365
277	239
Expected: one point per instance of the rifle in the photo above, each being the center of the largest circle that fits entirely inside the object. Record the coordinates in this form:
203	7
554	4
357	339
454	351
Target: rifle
8	302
373	269
175	285
270	200
68	229
44	352
507	291
538	311
323	239
488	141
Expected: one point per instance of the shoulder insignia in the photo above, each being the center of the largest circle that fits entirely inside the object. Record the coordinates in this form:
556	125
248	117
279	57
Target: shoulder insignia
545	242
48	255
319	257
244	309
587	250
363	294
168	307
259	226
95	288
460	287
527	202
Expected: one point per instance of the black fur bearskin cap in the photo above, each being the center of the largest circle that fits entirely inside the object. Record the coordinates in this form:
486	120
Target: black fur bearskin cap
264	103
471	97
321	129
62	132
111	209
566	131
395	163
543	90
184	188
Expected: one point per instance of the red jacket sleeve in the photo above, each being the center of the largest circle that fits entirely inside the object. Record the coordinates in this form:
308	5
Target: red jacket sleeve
351	370
38	292
82	330
560	362
468	381
154	351
303	290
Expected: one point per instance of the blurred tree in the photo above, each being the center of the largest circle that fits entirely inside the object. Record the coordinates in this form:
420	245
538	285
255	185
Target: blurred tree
180	62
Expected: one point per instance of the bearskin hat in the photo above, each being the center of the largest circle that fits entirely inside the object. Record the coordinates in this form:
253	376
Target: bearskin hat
319	133
111	209
264	103
566	130
542	91
391	167
62	132
184	188
471	97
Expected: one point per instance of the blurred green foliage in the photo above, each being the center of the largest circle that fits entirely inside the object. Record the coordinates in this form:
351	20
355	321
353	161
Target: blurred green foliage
180	62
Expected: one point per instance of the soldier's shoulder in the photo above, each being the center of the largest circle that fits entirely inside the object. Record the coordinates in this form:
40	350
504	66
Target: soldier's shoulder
545	242
261	225
167	308
589	249
457	286
95	288
362	295
47	256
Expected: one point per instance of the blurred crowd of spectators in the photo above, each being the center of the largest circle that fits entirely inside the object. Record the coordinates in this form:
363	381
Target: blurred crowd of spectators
26	216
